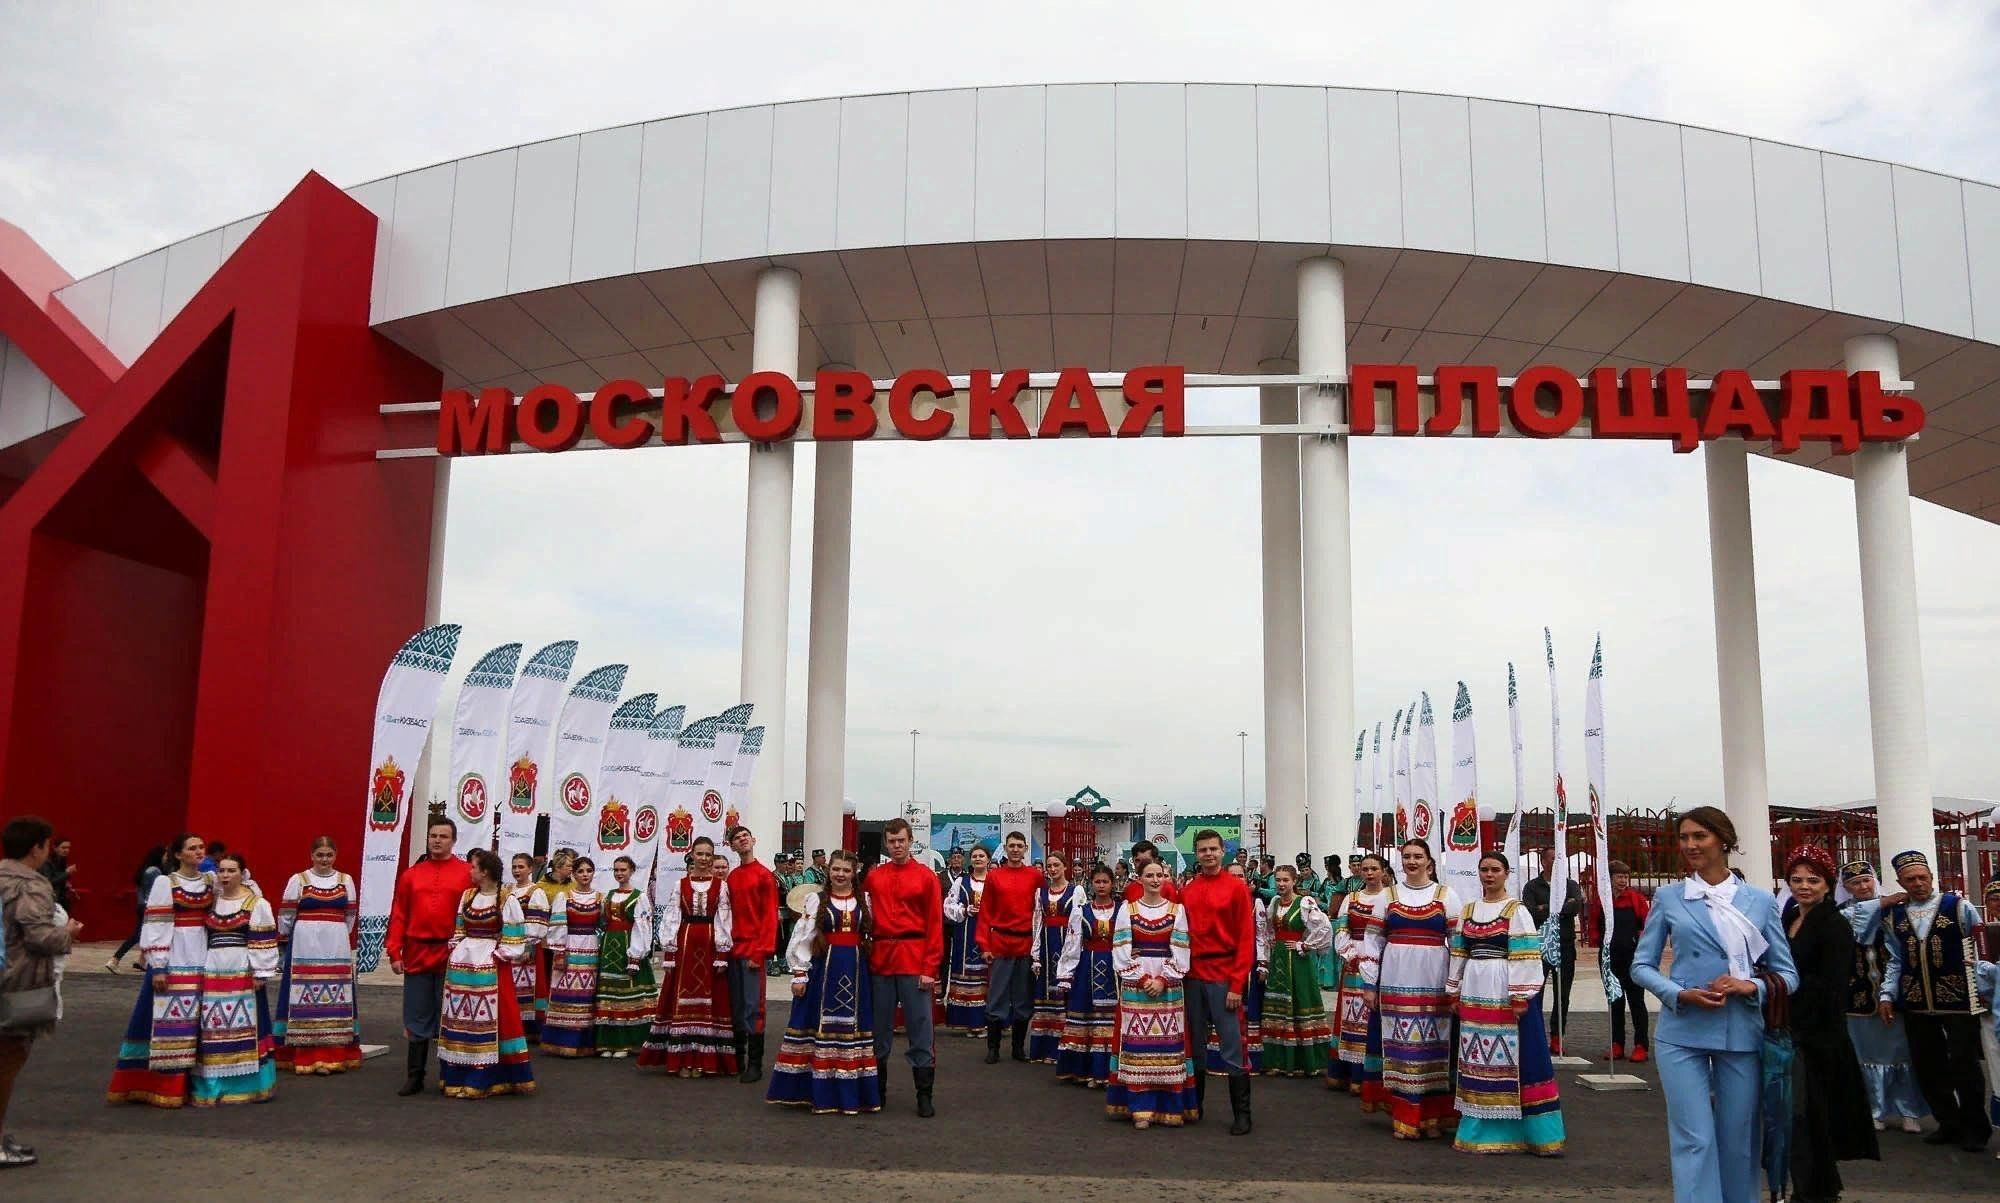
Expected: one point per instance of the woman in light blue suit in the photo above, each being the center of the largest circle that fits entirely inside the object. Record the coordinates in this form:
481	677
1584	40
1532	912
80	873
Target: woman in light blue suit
1711	1031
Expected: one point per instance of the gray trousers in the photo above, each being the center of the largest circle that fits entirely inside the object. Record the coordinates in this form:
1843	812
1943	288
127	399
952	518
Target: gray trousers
1010	990
1206	1008
423	1001
746	997
903	988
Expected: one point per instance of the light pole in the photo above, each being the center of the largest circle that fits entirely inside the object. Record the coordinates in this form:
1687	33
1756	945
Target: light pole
913	763
1243	789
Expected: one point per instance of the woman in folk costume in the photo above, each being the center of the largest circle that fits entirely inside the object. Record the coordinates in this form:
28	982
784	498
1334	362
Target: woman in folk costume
1056	902
626	991
576	931
1152	1077
315	1026
1296	1034
528	977
1088	985
1831	1120
234	1060
1412	946
692	1033
1356	1065
1729	950
1507	1101
827	1060
158	1051
965	984
1882	1048
481	1049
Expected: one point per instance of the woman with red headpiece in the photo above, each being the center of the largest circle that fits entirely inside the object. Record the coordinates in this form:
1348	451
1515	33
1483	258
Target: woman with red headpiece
1831	1122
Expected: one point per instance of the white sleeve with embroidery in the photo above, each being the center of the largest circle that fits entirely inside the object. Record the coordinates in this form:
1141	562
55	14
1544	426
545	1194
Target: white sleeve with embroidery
722	921
798	953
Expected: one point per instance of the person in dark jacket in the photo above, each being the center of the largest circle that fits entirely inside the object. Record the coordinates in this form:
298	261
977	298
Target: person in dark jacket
1628	918
1831	1121
1535	896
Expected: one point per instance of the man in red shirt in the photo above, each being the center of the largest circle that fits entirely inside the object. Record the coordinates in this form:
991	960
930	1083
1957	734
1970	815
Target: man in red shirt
1222	948
1006	934
905	931
1143	851
421	920
753	911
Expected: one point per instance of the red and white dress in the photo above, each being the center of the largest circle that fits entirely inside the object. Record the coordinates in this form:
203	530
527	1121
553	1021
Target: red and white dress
691	1033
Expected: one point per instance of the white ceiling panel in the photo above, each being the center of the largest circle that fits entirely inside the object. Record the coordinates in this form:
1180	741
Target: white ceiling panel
1252	340
1025	340
1548	303
629	366
503	323
1622	306
1081	276
564	313
909	344
1683	323
966	344
1083	339
1138	338
1213	275
884	283
826	296
1481	295
1147	275
854	344
1415	288
948	276
1964	370
633	311
1015	276
687	359
1433	347
695	302
1504	354
1978	412
1749	336
730	354
1198	343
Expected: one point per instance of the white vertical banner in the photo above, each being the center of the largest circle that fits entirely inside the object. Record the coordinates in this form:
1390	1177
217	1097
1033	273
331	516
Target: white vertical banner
1424	782
479	744
687	783
1461	824
1375	834
1593	769
1398	781
581	730
403	710
1360	804
531	716
747	754
1512	847
1016	816
619	780
1159	828
656	765
730	727
918	816
1559	852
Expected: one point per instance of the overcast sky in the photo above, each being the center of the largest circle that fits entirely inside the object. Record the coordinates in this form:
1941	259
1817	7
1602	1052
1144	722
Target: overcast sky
1070	613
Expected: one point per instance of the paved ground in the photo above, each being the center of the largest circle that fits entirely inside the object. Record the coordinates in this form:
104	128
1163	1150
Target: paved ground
1002	1133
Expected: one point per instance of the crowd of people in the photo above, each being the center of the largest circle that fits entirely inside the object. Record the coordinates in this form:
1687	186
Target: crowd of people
1845	1016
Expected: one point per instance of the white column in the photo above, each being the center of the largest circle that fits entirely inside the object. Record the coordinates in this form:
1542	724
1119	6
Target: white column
1284	656
1327	577
1900	733
427	764
1739	672
767	558
826	655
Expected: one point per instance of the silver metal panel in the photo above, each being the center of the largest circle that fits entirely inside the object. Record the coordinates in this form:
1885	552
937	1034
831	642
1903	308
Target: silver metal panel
1083	338
673	182
1364	162
1620	308
633	311
1292	197
1436	154
1080	184
1982	248
874	158
1481	295
235	232
1652	212
1508	218
883	283
609	168
1721	210
1147	276
1222	153
89	301
1213	275
192	262
1791	223
1082	276
1691	317
566	314
1011	156
1933	251
1024	339
136	288
1552	298
1015	276
948	277
942	176
482	225
805	170
736	187
1138	338
1578	196
378	197
421	244
1861	237
1416	286
544	215
506	325
24	396
1152	161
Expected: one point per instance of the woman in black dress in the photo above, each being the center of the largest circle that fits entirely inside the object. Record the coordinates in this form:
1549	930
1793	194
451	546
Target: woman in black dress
1830	1117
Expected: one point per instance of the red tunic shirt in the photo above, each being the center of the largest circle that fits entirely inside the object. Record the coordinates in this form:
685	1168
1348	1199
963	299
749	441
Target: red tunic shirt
907	919
424	912
1222	929
1007	910
753	912
1136	889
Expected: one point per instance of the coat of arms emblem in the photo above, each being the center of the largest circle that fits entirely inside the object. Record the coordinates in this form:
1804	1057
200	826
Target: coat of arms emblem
711	806
385	796
646	824
472	798
575	794
680	830
1421	816
521	785
1464	834
614	829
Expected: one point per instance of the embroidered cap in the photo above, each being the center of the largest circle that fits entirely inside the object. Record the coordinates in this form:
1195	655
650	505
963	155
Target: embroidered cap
1903	860
1854	870
1993	889
1816	856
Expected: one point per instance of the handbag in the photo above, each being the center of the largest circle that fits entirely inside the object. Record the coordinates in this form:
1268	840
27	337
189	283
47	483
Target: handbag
32	1008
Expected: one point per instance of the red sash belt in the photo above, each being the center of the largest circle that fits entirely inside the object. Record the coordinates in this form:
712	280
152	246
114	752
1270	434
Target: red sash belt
843	939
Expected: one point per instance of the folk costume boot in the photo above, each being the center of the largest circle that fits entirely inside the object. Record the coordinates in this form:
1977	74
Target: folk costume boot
993	1043
753	1062
420	1058
1200	1089
1020	1040
1239	1104
925	1077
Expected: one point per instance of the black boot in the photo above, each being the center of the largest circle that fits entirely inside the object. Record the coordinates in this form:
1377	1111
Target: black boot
1020	1040
1200	1088
753	1058
420	1059
925	1078
1239	1104
992	1043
